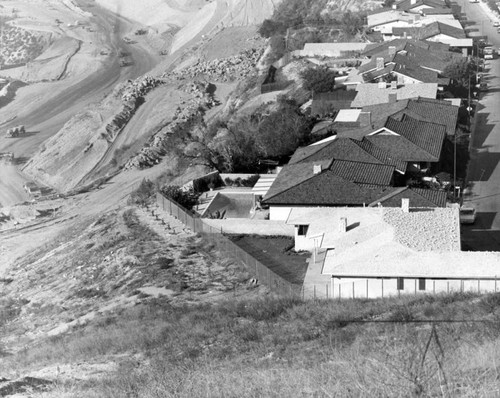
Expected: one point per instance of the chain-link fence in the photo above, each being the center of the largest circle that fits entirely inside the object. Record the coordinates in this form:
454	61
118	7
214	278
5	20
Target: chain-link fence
263	274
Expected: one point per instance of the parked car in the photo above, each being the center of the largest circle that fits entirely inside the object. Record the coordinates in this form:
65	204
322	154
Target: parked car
496	24
467	215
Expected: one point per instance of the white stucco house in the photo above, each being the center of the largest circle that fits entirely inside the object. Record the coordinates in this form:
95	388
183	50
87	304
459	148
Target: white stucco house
379	252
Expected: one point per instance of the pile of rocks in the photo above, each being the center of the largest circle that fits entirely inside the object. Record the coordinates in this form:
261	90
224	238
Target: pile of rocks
226	69
140	87
188	114
132	96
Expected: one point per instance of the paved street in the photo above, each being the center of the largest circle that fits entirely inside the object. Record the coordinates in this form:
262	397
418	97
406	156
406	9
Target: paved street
484	167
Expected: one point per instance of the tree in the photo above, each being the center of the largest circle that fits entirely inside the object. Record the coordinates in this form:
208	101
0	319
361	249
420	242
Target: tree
271	28
461	71
319	79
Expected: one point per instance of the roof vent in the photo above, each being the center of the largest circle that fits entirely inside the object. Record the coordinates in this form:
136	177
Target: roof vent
343	225
317	169
394	85
405	205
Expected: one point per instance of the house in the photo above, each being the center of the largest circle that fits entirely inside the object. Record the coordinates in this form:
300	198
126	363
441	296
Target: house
416	142
435	31
407	63
340	171
416	6
382	93
423	109
384	251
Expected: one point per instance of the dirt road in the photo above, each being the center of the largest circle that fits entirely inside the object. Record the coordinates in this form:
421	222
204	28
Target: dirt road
44	118
12	190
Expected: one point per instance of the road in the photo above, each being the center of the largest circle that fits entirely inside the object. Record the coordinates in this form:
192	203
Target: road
484	167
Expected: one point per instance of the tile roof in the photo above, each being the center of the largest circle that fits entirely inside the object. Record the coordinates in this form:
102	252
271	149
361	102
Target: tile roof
406	5
382	155
363	173
343	148
400	147
411	68
328	189
426	135
430	30
421	198
431	110
294	174
376	48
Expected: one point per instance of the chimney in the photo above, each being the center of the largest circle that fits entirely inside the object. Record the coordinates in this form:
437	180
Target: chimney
392	50
316	169
380	63
405	205
365	119
404	35
343	225
393	97
394	85
381	85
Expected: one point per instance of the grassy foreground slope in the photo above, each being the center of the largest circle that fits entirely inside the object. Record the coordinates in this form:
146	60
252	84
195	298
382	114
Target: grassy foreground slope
284	348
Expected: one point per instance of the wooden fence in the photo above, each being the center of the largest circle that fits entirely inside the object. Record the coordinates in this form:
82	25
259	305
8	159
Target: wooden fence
259	271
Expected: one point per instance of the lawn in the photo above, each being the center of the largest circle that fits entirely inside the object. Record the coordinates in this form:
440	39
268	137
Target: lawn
276	252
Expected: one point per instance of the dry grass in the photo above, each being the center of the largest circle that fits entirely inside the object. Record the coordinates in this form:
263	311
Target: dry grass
285	348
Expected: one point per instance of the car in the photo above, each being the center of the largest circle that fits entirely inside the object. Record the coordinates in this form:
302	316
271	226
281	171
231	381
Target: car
467	215
482	86
498	30
496	24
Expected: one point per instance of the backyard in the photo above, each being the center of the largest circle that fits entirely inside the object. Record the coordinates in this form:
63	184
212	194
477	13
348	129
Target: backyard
276	252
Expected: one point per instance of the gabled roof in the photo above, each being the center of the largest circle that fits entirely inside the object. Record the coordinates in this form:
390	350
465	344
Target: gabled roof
328	189
401	148
363	173
366	67
428	31
407	5
339	148
382	155
294	174
431	110
418	198
428	136
408	67
376	48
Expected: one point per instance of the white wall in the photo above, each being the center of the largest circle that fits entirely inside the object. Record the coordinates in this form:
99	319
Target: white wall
279	213
375	288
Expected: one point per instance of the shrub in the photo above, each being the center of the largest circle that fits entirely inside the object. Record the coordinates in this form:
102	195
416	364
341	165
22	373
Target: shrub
184	198
319	79
143	195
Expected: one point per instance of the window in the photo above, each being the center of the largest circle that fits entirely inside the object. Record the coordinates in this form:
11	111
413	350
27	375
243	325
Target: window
401	284
302	230
421	284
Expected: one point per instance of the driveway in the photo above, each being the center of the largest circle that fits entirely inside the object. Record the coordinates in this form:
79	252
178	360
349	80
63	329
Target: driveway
484	167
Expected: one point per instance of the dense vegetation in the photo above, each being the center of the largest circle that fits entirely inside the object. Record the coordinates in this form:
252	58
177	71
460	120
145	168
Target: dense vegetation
319	79
240	143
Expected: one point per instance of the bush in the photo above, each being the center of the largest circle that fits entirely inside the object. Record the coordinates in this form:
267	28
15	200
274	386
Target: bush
143	195
319	79
186	199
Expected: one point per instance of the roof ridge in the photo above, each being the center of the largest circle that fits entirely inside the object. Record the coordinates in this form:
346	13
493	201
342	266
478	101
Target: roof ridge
396	191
